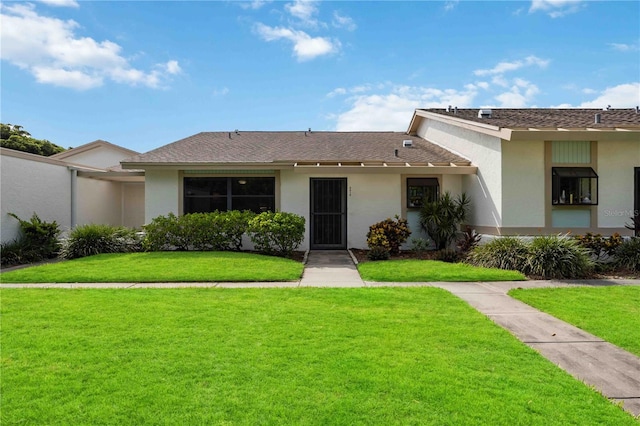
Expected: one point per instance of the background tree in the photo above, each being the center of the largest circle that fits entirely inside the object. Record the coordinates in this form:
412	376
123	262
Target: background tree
13	136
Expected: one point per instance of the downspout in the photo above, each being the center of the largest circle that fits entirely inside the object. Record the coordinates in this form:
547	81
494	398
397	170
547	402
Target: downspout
74	196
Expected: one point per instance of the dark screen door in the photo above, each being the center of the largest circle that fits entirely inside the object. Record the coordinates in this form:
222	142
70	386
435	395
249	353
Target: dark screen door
328	213
636	203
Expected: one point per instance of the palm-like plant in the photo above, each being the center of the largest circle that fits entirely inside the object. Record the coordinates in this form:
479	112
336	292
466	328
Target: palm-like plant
441	218
634	225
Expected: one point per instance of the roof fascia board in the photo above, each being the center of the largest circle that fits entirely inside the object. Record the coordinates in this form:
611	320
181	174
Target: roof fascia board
390	169
488	129
206	166
91	146
576	135
33	157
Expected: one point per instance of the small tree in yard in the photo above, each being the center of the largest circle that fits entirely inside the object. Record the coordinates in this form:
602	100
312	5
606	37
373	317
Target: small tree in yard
442	217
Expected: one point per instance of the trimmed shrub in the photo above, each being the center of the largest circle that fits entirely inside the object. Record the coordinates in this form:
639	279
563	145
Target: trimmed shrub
558	257
38	239
378	253
165	233
390	233
502	253
233	224
88	240
276	233
198	231
627	254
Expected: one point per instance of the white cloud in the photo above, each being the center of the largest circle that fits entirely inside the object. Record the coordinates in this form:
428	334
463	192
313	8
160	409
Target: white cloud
50	49
621	96
621	47
302	9
390	111
519	95
221	92
340	21
63	78
504	67
450	4
61	3
337	92
255	4
173	67
305	47
556	8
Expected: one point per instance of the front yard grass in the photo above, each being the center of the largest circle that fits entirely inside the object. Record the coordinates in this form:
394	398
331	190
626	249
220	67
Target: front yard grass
280	356
611	313
161	267
412	270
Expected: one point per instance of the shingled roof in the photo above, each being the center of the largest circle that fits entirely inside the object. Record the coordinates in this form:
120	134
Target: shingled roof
295	147
549	118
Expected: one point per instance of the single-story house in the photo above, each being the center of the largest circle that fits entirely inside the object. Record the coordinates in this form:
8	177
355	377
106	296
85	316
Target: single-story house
527	172
341	182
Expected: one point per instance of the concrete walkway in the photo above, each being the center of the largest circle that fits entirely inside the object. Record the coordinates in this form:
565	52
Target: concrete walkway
330	268
611	370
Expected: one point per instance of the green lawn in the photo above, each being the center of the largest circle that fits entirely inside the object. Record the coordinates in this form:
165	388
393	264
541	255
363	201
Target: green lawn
303	356
611	313
161	267
413	270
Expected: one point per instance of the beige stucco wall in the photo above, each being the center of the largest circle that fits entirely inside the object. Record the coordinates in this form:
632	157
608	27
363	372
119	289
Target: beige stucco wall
30	186
485	188
523	184
161	193
370	199
99	201
133	205
616	162
100	157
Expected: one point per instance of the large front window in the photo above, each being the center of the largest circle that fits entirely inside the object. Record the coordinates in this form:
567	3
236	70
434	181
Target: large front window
207	194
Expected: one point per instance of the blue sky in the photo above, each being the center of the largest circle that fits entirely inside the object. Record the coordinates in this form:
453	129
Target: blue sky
143	74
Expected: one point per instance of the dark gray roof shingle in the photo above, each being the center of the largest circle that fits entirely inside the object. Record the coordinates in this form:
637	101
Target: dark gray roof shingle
269	147
546	118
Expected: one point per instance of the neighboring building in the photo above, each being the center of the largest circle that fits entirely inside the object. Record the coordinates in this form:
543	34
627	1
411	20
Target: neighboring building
527	172
79	186
543	171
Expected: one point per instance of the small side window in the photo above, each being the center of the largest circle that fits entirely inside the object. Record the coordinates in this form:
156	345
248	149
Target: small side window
574	186
421	189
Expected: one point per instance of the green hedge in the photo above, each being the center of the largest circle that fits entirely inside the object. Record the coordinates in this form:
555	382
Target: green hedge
197	231
276	233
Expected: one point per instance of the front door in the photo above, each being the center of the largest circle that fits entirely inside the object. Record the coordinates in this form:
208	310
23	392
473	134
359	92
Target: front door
328	213
636	203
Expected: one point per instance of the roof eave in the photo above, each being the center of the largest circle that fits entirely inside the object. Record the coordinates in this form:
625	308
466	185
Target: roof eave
608	134
499	132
